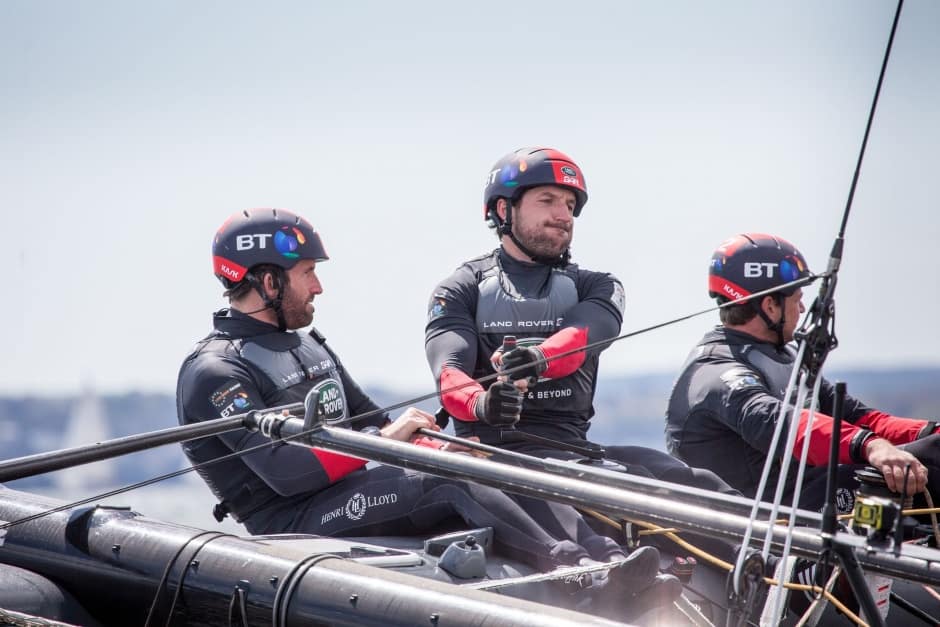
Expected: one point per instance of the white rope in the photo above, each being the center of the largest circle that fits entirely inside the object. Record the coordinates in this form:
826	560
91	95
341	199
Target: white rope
563	573
791	523
762	484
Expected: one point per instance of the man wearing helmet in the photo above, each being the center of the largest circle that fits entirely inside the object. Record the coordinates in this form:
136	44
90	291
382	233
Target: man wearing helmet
528	288
255	358
726	402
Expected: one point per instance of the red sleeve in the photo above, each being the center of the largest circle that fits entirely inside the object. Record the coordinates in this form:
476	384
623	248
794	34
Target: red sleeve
568	339
821	436
894	429
459	393
337	465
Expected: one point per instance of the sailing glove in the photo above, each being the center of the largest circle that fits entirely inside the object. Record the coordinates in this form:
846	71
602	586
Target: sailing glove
531	358
500	405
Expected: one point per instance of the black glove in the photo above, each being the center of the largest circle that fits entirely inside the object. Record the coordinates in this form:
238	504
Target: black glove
530	357
499	406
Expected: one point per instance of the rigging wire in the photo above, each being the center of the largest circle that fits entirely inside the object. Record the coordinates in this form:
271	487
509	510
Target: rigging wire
815	338
716	561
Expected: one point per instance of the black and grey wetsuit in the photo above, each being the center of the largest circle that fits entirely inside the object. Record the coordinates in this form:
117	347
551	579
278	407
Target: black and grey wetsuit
246	364
557	309
727	400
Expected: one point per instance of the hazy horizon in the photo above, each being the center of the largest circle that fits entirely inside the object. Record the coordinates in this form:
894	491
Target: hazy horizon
132	130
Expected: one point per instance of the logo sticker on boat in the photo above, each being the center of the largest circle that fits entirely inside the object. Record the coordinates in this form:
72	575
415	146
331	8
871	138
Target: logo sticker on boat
331	401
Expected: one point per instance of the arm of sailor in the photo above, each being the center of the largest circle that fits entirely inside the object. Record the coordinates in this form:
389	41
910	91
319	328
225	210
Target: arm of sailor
899	467
451	349
404	427
597	317
747	406
895	429
601	304
739	399
224	388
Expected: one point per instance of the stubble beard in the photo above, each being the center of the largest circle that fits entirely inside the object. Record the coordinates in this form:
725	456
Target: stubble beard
544	240
295	311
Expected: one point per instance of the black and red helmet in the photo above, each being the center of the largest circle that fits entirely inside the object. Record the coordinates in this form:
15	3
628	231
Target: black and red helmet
255	236
753	262
531	167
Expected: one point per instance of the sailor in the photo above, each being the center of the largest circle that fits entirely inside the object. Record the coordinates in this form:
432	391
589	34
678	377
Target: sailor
257	357
727	400
529	288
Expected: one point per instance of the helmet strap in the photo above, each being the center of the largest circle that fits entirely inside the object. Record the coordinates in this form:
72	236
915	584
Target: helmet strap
270	303
776	327
505	228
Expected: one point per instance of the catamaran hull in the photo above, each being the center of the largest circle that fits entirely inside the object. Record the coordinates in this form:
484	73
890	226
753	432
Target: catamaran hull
119	565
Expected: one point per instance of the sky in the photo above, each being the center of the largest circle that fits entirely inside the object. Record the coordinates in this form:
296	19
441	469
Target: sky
129	131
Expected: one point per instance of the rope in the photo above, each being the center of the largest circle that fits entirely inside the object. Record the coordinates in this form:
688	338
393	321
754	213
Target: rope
818	600
778	495
18	619
285	591
765	473
164	579
238	600
563	573
708	557
933	517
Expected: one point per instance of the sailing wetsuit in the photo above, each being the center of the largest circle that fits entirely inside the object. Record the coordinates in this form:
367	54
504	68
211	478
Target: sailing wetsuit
725	405
246	364
556	309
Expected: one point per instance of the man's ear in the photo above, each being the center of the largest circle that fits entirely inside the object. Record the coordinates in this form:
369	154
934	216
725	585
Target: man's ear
501	206
770	306
270	283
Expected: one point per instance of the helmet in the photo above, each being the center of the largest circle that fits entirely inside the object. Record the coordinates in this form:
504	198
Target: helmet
256	236
752	262
531	167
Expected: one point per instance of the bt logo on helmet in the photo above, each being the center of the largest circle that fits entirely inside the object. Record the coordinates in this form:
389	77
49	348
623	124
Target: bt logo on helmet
507	173
755	269
287	244
247	242
286	241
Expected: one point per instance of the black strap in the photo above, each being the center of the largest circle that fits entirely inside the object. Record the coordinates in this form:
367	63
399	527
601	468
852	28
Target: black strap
243	506
505	228
857	446
442	418
220	511
590	451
